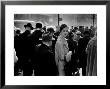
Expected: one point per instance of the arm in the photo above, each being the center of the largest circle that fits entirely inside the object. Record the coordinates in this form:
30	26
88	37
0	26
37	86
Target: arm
59	50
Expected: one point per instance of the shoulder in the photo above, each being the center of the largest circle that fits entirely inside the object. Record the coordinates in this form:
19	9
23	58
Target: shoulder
59	43
93	41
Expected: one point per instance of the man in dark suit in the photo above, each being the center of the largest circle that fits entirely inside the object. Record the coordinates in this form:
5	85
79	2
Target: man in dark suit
24	52
45	58
82	44
34	37
71	67
16	47
51	31
33	40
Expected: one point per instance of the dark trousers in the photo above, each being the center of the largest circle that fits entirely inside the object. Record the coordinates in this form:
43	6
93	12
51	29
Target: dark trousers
16	69
27	69
84	70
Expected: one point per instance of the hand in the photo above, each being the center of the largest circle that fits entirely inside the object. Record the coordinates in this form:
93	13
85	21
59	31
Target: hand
68	56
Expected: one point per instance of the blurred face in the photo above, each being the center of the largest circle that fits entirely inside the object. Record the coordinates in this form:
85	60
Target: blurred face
64	32
76	37
28	28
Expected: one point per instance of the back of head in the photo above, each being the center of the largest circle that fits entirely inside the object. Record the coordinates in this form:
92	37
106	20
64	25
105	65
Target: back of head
38	25
86	34
46	37
50	30
28	25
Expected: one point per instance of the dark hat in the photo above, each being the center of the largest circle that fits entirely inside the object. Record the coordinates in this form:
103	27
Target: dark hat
75	28
38	25
46	37
18	31
62	26
51	30
28	25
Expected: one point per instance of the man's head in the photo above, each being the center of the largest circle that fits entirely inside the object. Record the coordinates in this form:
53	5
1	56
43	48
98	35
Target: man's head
38	26
86	34
28	26
47	38
77	35
50	30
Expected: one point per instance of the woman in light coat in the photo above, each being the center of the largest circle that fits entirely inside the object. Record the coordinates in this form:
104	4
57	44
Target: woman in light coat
62	54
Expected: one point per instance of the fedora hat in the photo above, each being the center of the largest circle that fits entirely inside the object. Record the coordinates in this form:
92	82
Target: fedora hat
28	25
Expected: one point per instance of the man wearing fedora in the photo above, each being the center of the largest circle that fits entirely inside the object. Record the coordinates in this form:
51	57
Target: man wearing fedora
82	56
24	58
36	34
33	41
45	58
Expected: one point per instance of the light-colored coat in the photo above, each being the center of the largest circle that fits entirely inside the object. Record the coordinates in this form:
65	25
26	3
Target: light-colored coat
91	50
61	49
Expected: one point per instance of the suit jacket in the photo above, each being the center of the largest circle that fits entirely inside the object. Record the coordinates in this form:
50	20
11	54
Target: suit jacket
46	61
82	44
73	47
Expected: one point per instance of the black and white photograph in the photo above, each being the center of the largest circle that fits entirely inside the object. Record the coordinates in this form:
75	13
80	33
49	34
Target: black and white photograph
51	43
55	44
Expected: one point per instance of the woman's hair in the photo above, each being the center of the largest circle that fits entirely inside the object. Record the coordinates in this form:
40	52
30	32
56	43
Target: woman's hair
62	26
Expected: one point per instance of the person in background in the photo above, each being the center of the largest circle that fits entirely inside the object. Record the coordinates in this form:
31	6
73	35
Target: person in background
57	32
33	40
51	31
37	34
17	34
71	66
75	29
44	28
45	65
62	53
77	36
91	51
16	51
70	33
82	56
71	30
24	49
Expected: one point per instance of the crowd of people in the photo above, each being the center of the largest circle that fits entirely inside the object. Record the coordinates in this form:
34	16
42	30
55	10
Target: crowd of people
42	51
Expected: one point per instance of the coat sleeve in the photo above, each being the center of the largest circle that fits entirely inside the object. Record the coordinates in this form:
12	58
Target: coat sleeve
60	51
